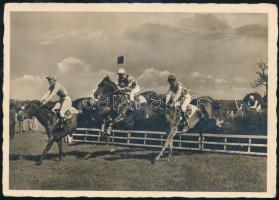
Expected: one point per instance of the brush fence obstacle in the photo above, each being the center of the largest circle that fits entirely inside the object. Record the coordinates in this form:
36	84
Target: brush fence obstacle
225	143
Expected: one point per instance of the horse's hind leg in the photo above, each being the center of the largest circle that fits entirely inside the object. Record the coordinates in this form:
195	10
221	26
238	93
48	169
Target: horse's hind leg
49	145
59	144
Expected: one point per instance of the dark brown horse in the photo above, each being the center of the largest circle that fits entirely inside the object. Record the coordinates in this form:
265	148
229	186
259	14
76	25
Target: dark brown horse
51	123
114	106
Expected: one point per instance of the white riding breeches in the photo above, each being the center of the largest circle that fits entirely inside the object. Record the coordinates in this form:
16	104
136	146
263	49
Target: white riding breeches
64	106
134	92
258	108
185	103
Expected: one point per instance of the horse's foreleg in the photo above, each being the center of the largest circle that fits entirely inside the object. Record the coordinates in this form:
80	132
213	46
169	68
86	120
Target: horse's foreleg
171	146
167	143
163	149
49	145
174	131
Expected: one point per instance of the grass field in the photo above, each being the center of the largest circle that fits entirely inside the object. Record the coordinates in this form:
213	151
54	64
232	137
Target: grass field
130	169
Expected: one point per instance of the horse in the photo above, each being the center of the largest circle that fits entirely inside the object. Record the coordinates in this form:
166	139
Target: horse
51	123
114	107
172	118
172	121
208	106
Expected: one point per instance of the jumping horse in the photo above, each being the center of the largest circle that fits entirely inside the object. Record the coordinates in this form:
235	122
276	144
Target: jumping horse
207	109
114	105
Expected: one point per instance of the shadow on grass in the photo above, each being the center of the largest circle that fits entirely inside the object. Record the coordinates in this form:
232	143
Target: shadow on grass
119	154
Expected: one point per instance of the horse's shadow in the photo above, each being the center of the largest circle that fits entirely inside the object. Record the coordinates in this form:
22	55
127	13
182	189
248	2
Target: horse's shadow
119	154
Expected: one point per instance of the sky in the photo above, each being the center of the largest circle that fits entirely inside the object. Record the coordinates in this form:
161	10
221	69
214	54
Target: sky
205	51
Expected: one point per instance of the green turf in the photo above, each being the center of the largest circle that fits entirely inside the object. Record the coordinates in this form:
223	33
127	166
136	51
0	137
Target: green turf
130	169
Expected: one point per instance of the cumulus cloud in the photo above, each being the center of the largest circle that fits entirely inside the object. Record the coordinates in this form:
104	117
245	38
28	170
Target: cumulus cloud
28	87
153	79
28	79
72	65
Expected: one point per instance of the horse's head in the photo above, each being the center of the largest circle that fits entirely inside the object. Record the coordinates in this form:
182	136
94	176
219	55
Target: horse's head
105	87
29	110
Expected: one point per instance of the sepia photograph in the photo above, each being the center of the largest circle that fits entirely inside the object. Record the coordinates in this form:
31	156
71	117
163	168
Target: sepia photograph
137	100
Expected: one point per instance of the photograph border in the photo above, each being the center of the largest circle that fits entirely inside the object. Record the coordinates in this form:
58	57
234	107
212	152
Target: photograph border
270	9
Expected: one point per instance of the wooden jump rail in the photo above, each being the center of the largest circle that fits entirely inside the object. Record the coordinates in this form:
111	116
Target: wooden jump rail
186	141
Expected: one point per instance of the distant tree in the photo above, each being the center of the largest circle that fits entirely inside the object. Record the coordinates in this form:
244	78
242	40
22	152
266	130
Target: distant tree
262	76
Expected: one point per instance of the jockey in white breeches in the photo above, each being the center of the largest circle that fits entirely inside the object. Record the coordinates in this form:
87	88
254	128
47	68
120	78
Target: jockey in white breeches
55	88
128	83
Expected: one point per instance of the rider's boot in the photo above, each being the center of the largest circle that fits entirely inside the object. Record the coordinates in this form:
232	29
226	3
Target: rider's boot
62	122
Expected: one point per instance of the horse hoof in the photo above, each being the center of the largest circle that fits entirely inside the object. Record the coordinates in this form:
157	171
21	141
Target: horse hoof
112	150
39	162
87	156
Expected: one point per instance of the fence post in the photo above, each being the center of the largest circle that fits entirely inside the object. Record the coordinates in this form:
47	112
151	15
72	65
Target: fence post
200	141
249	145
144	140
112	140
225	145
85	138
180	141
128	136
99	136
162	137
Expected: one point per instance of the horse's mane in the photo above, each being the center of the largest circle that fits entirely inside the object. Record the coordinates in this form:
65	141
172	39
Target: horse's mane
48	106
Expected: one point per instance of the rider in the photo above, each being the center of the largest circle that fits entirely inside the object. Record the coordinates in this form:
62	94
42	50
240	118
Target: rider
178	96
254	104
128	84
55	88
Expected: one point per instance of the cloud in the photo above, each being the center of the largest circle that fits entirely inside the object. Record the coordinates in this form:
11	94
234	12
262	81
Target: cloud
72	65
218	80
29	79
45	42
153	79
252	30
200	26
28	87
52	37
239	79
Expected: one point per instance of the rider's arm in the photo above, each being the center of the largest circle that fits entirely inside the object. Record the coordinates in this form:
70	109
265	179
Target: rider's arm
53	93
45	96
168	97
178	94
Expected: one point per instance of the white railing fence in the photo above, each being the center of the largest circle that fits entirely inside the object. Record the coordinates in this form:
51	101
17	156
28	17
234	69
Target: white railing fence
225	143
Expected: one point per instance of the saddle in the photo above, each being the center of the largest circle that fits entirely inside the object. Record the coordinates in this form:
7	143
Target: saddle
69	113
